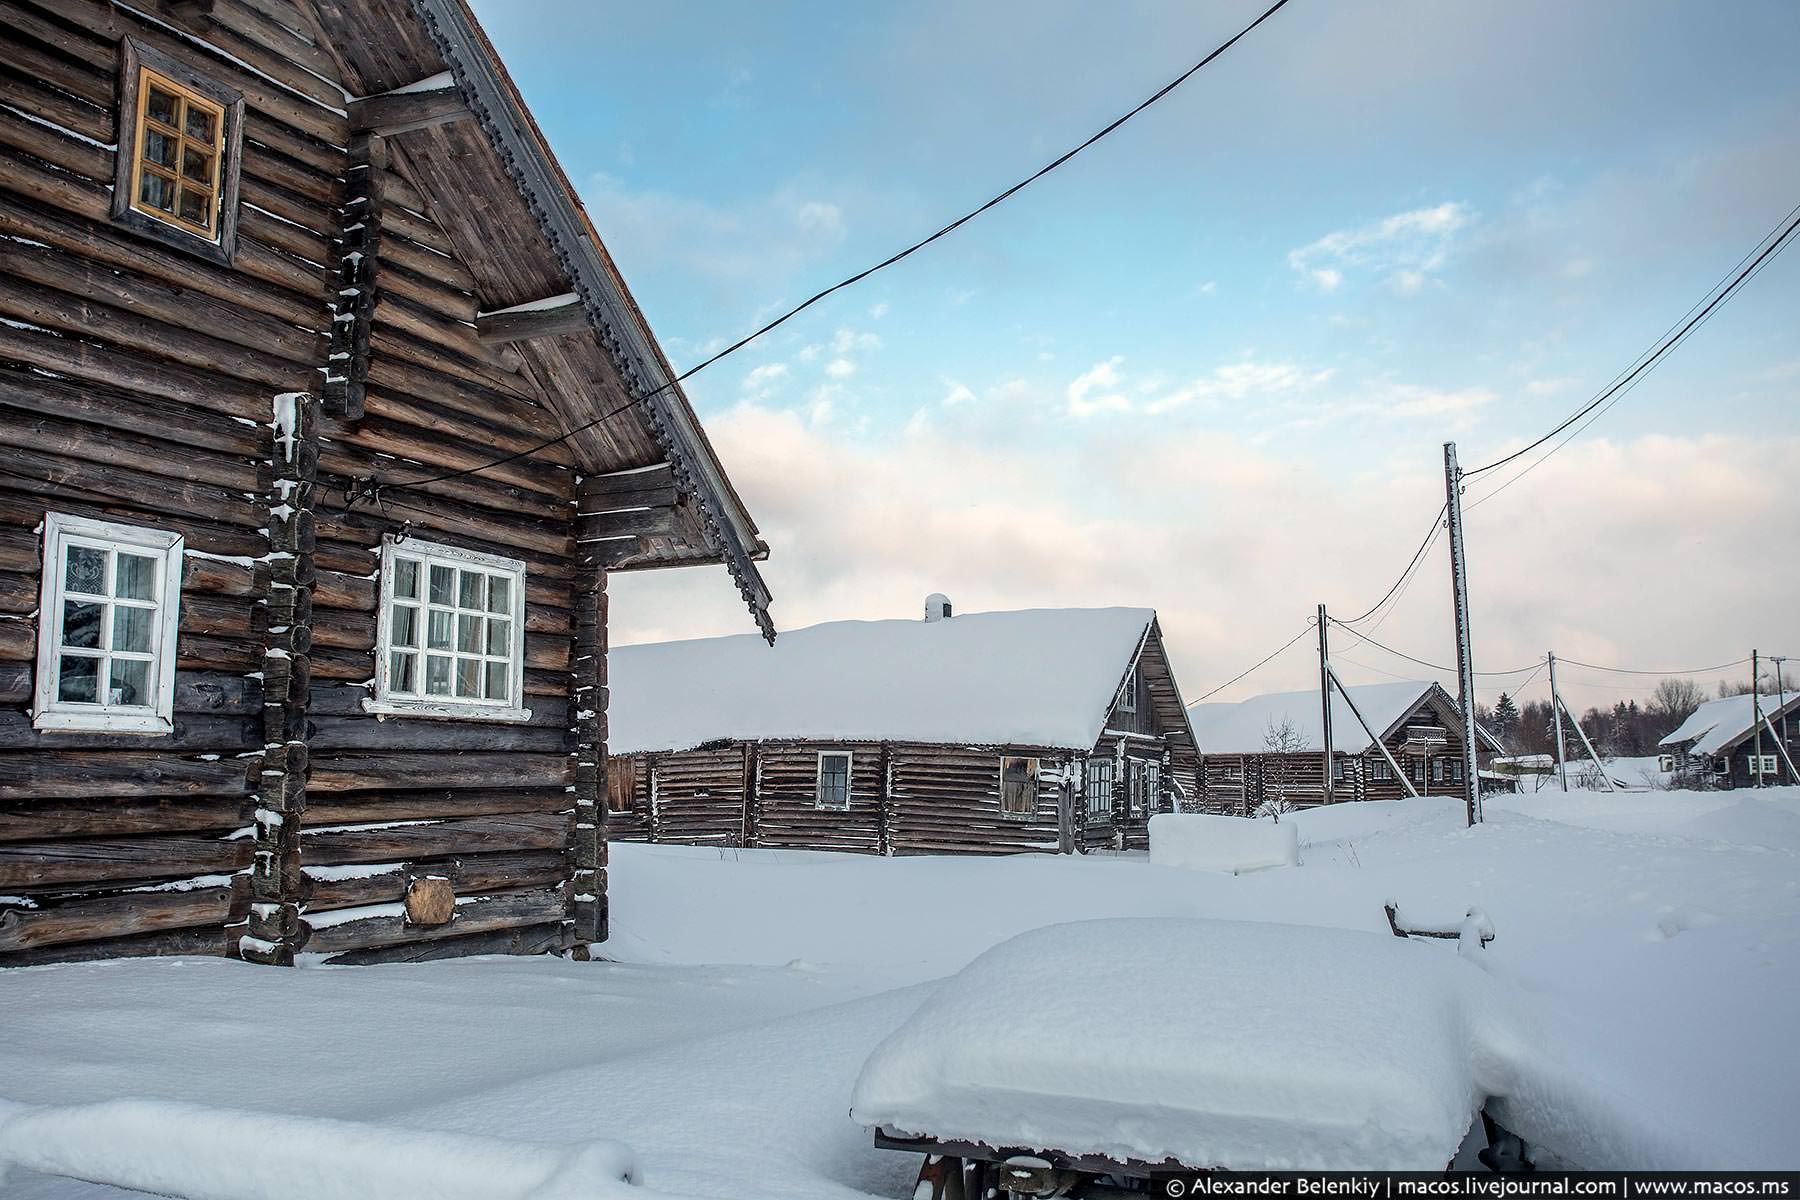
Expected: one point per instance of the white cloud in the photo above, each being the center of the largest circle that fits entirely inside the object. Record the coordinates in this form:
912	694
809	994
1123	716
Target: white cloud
878	311
1403	251
958	393
821	220
846	341
1095	390
760	381
840	368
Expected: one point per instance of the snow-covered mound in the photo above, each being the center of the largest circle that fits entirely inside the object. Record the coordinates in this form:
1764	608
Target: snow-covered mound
1212	1043
1204	842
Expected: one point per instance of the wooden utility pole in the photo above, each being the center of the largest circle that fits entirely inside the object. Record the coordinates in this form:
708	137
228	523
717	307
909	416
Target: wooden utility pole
1465	662
1756	712
1556	719
1781	735
1325	703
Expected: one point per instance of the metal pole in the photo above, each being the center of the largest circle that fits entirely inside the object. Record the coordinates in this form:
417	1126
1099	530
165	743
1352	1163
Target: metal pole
1756	712
1465	662
1325	703
1605	779
1380	745
1556	716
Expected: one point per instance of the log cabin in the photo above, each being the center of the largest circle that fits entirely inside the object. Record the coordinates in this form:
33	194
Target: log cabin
326	416
1053	730
1269	750
1718	745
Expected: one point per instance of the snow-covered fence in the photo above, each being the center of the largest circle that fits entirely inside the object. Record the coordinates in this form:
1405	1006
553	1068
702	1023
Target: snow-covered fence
1204	842
198	1153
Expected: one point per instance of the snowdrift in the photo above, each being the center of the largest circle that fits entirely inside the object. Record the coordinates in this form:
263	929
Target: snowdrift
1203	842
1243	1046
198	1153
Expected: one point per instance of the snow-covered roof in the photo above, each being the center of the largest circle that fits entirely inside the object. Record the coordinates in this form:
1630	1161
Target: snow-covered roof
1242	727
1036	677
1720	724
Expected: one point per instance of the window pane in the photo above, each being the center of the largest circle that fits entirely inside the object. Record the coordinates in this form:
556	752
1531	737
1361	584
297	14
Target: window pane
437	636
161	106
86	571
197	166
406	578
499	639
437	675
159	148
402	672
468	634
79	679
497	688
468	677
405	630
499	594
135	577
131	628
157	191
196	207
473	594
81	624
130	683
201	124
443	584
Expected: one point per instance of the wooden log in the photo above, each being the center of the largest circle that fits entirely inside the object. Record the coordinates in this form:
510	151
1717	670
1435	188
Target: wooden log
469	875
340	772
478	914
440	839
95	444
566	316
403	112
634	522
123	915
112	409
27	866
74	774
526	939
191	734
366	733
430	901
118	816
203	940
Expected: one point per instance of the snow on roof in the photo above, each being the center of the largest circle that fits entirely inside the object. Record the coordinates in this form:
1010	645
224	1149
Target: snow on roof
1341	1049
1240	728
1037	677
1719	724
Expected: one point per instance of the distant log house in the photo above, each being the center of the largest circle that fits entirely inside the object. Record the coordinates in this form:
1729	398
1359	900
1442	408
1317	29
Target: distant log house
1270	749
275	678
1737	741
1000	732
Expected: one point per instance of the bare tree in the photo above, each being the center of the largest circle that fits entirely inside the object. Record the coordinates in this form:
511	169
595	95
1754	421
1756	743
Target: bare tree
1675	700
1282	743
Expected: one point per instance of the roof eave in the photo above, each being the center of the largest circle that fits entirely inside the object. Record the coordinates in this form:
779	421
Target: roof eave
497	107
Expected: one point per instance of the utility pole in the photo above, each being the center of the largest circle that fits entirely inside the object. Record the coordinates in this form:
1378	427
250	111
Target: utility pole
1756	711
1556	720
1325	703
1781	735
1465	662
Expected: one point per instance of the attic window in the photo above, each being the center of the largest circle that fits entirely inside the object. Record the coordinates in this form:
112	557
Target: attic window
180	138
1128	695
834	779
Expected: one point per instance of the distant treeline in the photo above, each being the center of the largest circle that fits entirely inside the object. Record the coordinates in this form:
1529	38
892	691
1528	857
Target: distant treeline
1626	730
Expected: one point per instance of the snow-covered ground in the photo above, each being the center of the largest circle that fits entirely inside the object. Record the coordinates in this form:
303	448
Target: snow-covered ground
1655	937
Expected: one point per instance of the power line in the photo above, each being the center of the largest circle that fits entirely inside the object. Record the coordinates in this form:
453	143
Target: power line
1363	637
1411	566
1053	164
1259	666
1782	234
1636	671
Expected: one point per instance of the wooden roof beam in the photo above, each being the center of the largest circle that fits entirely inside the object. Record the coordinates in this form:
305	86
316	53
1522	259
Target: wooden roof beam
422	105
551	317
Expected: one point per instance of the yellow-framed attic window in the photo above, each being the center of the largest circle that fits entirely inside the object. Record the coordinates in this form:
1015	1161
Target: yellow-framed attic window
180	143
180	139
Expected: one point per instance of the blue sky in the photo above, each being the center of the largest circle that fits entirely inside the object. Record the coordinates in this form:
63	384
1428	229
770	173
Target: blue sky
1209	365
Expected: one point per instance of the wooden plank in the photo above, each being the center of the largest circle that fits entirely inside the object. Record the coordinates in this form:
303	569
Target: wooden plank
630	522
404	112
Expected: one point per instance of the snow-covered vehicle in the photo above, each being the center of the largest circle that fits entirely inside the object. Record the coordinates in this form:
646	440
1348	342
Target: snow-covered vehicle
1098	1058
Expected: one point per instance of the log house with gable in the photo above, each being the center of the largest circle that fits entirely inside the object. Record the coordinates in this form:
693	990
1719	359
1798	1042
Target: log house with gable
289	663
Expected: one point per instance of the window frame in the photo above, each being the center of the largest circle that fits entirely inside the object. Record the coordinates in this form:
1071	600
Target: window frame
1030	811
462	708
849	757
1107	767
1380	771
135	59
1128	693
167	548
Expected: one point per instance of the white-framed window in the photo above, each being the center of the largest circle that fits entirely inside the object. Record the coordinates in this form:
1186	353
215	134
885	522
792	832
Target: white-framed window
1128	694
108	611
1018	786
1100	787
1152	786
1379	771
451	641
1768	765
834	779
1665	763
